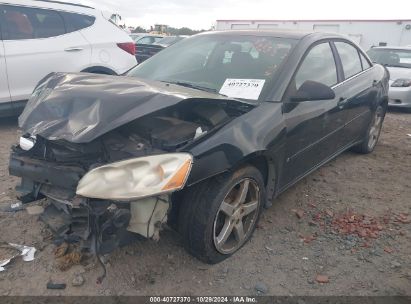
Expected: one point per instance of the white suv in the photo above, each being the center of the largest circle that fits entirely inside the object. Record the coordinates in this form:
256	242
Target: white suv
40	37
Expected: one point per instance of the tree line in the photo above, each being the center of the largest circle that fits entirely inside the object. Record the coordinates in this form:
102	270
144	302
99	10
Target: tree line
170	30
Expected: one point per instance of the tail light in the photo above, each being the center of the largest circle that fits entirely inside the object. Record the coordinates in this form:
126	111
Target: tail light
129	47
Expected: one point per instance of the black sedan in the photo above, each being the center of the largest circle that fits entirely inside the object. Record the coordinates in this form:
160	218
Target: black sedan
202	136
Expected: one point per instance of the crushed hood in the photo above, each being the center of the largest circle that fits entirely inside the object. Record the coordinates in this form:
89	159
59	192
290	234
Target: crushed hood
81	107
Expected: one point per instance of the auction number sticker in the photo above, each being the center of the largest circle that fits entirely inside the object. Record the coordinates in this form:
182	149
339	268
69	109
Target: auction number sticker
242	88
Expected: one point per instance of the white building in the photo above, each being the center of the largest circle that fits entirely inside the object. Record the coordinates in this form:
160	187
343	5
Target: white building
367	33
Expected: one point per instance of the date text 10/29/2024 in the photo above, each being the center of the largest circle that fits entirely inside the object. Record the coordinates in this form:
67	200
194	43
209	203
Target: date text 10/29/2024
207	299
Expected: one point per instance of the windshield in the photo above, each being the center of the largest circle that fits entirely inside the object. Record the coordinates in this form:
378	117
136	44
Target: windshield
391	57
207	62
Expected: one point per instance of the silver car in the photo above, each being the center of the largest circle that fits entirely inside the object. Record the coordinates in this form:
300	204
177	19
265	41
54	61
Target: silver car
398	62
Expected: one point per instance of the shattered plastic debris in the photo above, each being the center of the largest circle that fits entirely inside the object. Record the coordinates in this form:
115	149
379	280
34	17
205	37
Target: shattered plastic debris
14	207
26	252
199	132
52	285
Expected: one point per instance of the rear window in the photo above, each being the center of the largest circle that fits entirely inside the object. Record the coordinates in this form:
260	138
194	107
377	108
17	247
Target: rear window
30	23
365	63
350	59
76	22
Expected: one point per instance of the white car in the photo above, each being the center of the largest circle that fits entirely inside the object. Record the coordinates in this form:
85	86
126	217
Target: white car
40	37
398	62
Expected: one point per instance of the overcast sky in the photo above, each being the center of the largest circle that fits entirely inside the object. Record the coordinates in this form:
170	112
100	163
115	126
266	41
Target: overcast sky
198	14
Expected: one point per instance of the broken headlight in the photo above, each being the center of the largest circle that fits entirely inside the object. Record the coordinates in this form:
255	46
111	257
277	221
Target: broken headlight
136	178
27	142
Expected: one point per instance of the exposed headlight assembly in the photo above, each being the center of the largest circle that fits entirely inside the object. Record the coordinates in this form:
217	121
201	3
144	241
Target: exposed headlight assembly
136	178
27	142
401	83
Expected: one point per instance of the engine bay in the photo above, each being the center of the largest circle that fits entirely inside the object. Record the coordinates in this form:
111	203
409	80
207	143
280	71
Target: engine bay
166	130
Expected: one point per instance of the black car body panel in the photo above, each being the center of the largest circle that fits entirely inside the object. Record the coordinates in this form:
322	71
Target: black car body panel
86	121
97	104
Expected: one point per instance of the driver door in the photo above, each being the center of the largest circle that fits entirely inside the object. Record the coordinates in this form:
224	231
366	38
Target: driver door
313	126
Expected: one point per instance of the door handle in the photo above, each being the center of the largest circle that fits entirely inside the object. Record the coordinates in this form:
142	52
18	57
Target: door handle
374	83
73	49
341	102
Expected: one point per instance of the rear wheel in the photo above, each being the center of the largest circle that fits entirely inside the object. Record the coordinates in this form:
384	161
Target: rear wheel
373	132
219	216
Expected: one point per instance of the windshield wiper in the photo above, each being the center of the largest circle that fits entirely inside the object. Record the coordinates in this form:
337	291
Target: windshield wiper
193	86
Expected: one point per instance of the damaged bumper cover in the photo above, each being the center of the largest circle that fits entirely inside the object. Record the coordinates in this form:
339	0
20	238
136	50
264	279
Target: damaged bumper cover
125	202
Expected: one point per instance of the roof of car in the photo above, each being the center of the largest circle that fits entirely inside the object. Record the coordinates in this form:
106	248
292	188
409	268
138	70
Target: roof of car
281	33
407	48
65	3
52	4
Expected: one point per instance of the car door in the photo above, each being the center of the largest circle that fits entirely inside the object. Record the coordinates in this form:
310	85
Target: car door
36	43
313	127
4	87
358	90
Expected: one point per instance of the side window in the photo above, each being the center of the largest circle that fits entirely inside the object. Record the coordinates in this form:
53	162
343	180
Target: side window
319	66
365	63
75	22
31	23
349	58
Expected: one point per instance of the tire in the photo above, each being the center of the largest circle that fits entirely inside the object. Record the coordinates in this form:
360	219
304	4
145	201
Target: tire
373	132
203	216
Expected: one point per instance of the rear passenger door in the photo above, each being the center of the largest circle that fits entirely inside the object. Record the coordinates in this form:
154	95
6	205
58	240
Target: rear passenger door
357	91
36	43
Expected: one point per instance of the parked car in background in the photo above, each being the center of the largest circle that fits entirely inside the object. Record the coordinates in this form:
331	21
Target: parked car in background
145	51
144	38
145	47
40	37
203	135
170	40
398	62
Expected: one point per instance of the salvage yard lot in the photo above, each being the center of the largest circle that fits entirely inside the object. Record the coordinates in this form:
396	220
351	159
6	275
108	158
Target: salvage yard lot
349	221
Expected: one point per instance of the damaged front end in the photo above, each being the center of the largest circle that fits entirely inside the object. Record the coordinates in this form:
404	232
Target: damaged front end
107	152
99	207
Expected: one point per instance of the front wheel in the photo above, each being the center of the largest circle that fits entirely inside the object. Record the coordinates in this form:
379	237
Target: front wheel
373	132
218	216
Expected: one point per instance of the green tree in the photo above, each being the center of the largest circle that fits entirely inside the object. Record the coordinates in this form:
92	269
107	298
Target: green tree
139	29
182	31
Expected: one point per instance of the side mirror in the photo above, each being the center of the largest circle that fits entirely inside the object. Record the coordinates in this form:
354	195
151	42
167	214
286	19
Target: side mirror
312	90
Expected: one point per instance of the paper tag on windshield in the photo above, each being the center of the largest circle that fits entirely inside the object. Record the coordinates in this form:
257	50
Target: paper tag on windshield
242	88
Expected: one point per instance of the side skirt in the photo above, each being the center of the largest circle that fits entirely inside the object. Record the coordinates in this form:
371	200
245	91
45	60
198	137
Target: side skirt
316	167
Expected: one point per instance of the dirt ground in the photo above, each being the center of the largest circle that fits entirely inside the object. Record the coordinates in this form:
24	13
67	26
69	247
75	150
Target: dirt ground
349	222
